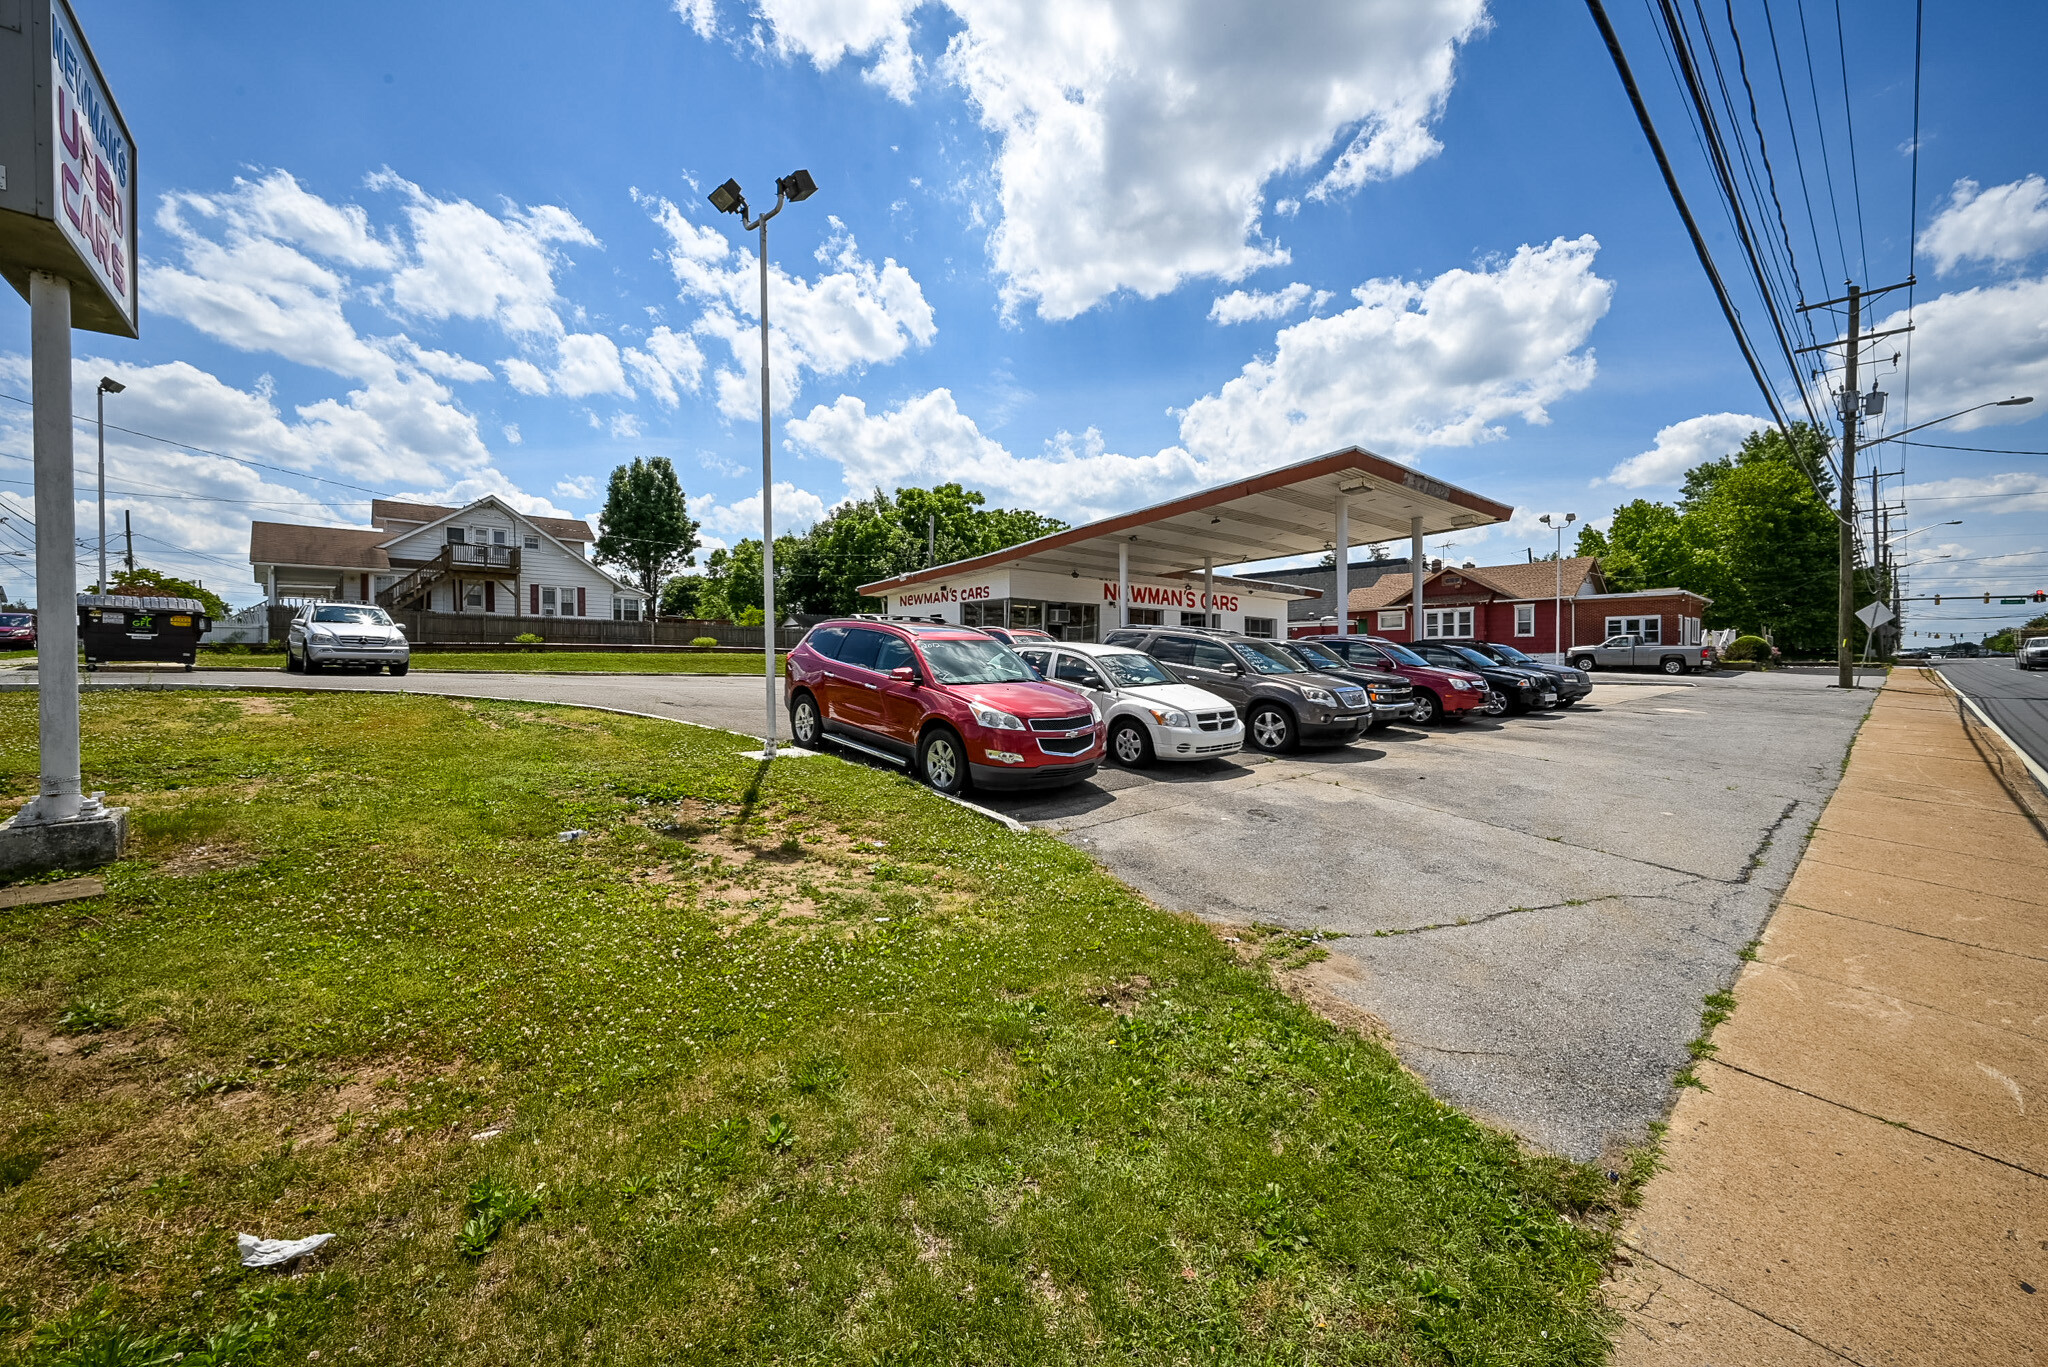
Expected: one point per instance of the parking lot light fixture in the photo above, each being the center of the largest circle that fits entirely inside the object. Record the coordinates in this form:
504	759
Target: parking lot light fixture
728	198
1557	604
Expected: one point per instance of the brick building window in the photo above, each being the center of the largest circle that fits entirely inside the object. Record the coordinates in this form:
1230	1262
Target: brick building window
1454	622
1525	619
1396	620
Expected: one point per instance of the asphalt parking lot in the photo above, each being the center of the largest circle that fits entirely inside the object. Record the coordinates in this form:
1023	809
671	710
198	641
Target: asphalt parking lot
1534	906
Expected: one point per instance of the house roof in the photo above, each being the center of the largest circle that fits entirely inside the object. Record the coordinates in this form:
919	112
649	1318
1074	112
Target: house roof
383	510
290	543
1519	582
1280	512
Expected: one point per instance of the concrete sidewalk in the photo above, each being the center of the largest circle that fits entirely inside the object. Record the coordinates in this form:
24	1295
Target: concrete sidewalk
1866	1179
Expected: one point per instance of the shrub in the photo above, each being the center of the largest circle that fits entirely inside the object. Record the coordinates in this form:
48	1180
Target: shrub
1748	648
704	642
528	638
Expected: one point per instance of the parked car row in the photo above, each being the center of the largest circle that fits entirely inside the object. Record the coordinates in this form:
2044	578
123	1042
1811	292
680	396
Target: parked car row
1002	709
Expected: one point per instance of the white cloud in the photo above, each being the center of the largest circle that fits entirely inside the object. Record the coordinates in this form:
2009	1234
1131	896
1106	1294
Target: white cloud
588	363
1978	495
447	364
583	488
1976	345
511	430
465	262
625	426
1250	306
2003	225
795	510
846	319
524	376
1134	144
669	361
1415	364
700	15
1683	445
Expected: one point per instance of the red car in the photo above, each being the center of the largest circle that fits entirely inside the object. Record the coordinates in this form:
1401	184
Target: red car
17	631
1440	694
951	704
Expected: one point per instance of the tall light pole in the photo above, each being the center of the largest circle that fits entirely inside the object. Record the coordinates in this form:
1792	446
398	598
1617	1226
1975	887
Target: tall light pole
1557	604
108	385
728	198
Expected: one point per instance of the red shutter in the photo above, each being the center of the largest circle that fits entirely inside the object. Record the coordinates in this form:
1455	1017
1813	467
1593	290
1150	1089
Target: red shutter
490	595
366	588
533	592
580	609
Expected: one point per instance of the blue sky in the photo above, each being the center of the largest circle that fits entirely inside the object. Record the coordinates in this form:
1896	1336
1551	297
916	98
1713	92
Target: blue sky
1080	255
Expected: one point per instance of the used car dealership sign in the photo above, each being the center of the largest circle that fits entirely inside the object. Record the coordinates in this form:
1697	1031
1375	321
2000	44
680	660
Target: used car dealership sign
67	168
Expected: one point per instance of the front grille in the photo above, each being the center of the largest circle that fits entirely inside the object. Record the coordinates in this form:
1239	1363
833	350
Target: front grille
359	640
1393	694
1067	745
1061	723
1215	749
1351	697
1215	721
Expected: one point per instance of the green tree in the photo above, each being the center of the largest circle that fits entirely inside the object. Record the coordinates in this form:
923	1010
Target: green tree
143	582
873	538
645	528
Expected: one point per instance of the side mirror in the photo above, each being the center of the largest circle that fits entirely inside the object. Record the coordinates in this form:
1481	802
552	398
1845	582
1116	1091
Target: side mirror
903	674
1233	668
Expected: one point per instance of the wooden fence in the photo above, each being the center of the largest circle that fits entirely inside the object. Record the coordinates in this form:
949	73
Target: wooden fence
592	633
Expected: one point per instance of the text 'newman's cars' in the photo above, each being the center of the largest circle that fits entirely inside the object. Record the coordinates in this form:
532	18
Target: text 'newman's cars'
957	707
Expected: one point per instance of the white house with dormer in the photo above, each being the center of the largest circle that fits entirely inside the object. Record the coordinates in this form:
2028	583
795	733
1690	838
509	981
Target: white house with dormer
487	557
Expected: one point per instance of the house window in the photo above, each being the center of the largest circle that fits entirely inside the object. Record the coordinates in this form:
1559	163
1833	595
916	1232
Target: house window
456	536
547	602
1258	626
1525	619
532	542
1453	622
1394	621
475	597
497	536
1651	629
625	609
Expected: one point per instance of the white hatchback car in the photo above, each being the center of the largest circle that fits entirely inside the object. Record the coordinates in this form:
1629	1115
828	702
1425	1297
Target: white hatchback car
1151	715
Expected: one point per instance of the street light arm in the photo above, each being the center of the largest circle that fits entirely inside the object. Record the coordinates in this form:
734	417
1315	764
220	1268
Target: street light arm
754	224
1908	431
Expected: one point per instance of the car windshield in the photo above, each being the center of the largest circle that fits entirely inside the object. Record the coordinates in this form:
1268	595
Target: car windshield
1473	657
352	616
1133	670
1515	656
1322	657
13	619
1399	654
974	662
1267	659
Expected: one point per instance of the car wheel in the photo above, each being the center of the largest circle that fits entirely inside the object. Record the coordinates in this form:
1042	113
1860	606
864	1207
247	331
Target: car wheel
1129	743
1496	703
1429	709
291	661
803	721
1272	730
307	664
1674	665
943	761
1584	662
398	670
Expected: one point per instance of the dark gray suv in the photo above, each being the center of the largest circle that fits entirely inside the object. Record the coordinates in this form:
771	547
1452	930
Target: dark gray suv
1284	703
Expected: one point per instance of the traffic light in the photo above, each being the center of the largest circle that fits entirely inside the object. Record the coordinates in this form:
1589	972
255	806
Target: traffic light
1937	600
2041	595
1987	597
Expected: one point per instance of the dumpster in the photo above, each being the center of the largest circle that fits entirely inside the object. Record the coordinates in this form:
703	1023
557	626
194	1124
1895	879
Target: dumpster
115	626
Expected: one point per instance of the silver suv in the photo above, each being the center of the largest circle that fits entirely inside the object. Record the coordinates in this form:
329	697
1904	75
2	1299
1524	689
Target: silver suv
345	634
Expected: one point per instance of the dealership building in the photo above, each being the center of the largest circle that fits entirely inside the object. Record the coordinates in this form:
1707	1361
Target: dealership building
1156	566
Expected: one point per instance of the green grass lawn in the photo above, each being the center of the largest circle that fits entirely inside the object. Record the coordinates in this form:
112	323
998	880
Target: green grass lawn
798	1066
519	662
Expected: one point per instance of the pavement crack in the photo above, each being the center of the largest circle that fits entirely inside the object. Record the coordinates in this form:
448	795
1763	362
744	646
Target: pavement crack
1445	1049
1716	1291
1497	915
1756	856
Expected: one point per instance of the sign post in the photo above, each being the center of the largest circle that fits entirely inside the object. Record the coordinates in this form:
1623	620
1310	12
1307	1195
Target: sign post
67	243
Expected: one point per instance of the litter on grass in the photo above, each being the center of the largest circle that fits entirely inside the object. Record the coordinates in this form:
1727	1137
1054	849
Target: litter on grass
276	1252
571	837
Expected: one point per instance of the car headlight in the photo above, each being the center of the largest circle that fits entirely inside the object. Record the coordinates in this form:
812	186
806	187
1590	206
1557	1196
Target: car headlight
1376	695
1461	685
1321	697
1094	711
322	634
994	720
1177	720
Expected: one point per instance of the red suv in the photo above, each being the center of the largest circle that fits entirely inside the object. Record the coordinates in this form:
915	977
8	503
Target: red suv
17	631
1440	694
954	705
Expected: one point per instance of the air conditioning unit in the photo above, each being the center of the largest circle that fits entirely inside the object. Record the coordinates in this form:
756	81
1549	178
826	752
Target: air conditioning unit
1056	616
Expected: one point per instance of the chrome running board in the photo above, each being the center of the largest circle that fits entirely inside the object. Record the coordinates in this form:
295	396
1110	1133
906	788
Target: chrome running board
898	760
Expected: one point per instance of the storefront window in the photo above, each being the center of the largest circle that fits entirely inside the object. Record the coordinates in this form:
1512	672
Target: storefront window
1148	617
1026	614
1259	626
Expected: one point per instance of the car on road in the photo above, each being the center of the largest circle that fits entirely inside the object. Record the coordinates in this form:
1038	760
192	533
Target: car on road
356	635
1441	695
1283	702
1630	651
953	705
1519	690
1392	697
1149	714
2032	654
17	631
1572	684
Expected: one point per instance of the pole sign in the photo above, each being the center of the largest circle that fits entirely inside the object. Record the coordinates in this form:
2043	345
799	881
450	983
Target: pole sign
67	168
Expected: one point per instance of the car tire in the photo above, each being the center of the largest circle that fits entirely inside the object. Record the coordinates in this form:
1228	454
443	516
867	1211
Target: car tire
1673	665
307	665
291	661
1584	662
1429	708
1130	744
804	726
1271	730
942	761
398	671
1496	704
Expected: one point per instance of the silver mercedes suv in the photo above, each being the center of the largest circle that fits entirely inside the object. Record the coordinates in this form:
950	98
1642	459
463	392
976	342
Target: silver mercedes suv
361	634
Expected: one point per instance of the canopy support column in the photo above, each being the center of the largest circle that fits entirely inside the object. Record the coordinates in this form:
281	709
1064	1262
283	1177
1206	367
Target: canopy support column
1123	582
1342	541
1418	569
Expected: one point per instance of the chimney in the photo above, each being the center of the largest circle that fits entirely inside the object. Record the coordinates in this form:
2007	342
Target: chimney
1471	564
1435	565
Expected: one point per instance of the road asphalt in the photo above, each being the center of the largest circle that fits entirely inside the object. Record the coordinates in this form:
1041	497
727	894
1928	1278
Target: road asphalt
1532	907
2016	699
1865	1177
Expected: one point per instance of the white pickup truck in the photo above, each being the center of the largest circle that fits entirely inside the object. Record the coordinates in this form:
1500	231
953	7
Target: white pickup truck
1633	652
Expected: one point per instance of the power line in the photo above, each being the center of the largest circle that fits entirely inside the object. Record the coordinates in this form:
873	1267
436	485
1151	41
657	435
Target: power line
1849	120
1798	157
1988	450
1821	136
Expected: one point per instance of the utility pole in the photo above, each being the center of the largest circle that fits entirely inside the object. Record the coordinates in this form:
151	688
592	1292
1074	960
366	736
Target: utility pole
931	539
128	529
1845	603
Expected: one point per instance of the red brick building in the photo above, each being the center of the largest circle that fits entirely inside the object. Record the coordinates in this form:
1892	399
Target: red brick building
1518	604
